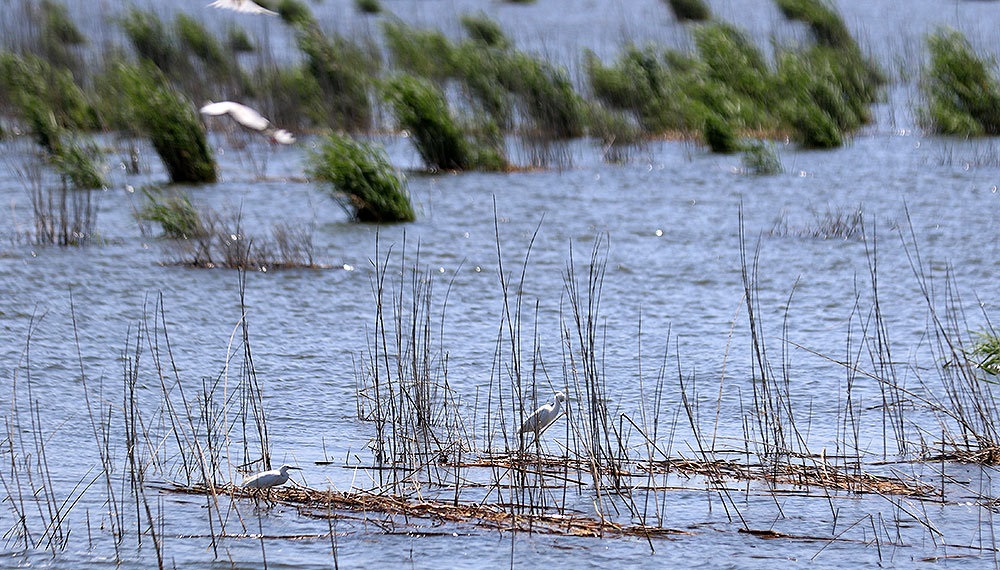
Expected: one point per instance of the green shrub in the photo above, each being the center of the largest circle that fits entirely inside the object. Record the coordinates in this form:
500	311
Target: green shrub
690	10
58	24
425	53
291	97
366	184
368	6
296	14
152	41
173	211
719	135
480	72
986	353
58	35
760	158
546	94
961	92
481	29
31	86
825	24
343	71
238	41
421	109
198	41
814	128
641	82
170	121
77	163
734	61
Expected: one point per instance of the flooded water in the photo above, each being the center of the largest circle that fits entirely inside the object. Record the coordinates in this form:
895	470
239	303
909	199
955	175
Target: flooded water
672	331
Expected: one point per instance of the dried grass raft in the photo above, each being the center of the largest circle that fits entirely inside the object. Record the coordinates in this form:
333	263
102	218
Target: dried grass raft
331	504
821	475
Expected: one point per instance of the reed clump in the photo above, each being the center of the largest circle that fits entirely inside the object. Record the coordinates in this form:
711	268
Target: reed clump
424	53
961	92
422	110
690	10
482	29
343	70
368	6
198	41
364	181
174	211
151	39
986	353
31	85
169	120
823	21
760	158
295	13
817	93
58	36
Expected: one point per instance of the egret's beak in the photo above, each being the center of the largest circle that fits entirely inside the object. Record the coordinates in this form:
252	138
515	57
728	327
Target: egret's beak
299	468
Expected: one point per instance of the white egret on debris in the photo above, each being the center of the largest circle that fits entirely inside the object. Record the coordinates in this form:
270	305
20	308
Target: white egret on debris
543	416
244	6
267	479
248	118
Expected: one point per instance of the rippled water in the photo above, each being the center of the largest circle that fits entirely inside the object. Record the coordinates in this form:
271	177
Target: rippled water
668	222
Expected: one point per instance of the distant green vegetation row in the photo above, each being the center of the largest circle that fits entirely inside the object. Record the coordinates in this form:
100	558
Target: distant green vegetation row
460	99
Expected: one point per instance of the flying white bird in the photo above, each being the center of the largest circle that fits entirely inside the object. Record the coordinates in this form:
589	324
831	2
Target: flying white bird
248	118
267	479
543	416
244	6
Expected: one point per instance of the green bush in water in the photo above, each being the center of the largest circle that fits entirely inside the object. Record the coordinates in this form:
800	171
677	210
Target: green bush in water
962	96
78	164
733	60
368	6
344	72
291	95
422	110
152	41
296	14
58	35
825	24
481	29
424	53
690	10
238	41
197	40
647	85
546	95
761	159
171	123
174	212
365	183
719	135
814	128
32	85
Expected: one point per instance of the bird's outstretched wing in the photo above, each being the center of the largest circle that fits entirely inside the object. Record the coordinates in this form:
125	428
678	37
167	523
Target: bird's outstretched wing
240	113
243	6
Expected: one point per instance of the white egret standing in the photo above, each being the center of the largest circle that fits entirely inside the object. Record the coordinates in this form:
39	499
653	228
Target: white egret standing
543	417
248	118
268	479
244	6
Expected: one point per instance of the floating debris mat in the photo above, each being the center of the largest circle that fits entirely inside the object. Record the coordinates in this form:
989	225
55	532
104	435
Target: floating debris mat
332	504
822	475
